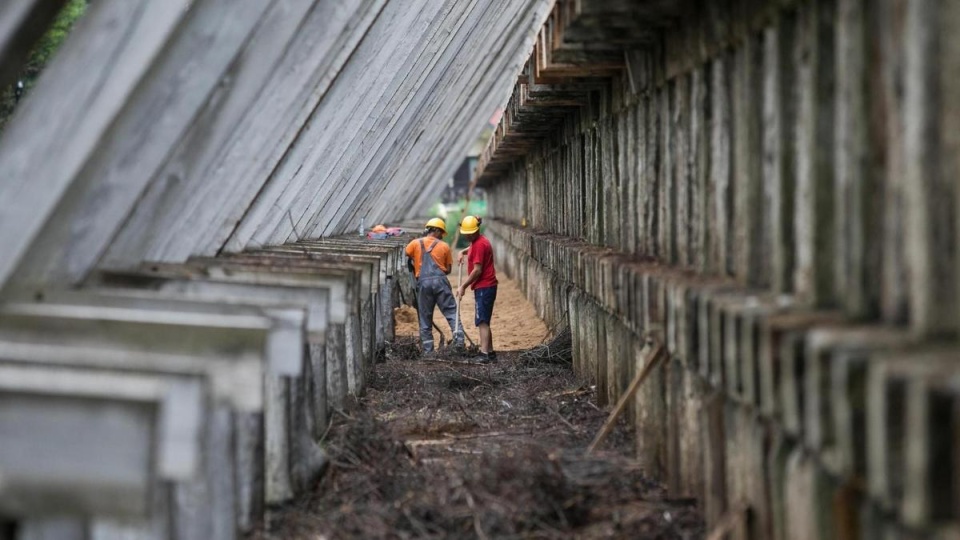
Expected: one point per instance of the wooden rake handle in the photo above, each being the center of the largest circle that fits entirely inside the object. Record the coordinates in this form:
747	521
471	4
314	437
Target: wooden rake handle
459	281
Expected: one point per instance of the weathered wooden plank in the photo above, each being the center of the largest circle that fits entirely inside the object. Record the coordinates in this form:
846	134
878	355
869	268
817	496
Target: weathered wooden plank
931	165
714	459
33	183
666	195
288	188
779	117
206	507
277	484
651	184
681	132
628	174
192	66
719	191
55	421
374	199
815	209
288	66
750	252
889	120
699	164
857	181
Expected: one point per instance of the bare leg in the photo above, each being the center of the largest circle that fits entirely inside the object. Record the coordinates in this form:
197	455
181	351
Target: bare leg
486	338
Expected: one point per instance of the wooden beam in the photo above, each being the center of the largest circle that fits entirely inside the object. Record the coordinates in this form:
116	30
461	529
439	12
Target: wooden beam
159	113
652	361
286	71
48	125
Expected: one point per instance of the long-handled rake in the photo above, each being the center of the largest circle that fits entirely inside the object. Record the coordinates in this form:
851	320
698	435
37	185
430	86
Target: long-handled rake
457	326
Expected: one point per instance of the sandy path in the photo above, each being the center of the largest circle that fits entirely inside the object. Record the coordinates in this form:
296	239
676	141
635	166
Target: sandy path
515	323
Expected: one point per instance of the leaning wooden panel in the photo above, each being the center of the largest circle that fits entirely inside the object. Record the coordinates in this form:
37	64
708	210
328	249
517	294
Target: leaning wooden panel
285	70
83	443
338	285
434	70
241	350
189	69
49	125
376	198
233	346
378	59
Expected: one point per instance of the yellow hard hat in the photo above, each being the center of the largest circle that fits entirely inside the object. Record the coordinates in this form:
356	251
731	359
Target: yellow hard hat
470	225
437	223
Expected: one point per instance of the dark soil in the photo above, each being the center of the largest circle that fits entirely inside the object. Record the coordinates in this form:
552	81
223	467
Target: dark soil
441	449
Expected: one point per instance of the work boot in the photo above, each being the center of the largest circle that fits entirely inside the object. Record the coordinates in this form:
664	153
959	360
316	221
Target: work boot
485	358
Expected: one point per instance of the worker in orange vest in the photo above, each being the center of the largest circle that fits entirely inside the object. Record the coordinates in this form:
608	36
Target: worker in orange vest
432	262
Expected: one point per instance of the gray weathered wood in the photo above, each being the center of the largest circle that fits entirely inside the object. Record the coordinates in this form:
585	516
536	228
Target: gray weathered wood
278	224
751	254
719	199
54	424
814	211
931	166
197	62
287	67
232	347
779	117
33	183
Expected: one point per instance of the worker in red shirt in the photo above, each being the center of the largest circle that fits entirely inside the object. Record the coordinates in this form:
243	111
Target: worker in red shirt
482	278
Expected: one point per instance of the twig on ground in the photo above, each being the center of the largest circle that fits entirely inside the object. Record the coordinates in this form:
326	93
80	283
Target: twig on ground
556	411
488	434
416	523
476	519
326	431
460	404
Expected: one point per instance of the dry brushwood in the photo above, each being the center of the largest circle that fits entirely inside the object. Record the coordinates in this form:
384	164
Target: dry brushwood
402	349
558	350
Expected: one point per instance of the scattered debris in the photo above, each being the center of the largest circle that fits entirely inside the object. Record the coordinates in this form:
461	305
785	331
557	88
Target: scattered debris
403	349
445	450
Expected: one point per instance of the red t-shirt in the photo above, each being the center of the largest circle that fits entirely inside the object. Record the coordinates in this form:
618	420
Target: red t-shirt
482	253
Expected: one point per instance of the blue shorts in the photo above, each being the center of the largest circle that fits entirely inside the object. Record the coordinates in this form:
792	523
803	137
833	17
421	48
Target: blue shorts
485	298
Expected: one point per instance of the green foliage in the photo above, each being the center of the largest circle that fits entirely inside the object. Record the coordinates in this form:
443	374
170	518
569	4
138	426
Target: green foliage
453	213
41	54
51	41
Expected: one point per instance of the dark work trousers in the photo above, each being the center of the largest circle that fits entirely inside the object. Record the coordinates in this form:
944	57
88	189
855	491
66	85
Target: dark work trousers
434	290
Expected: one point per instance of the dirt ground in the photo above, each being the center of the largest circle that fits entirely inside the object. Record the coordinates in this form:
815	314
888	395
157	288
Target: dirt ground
444	449
515	324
